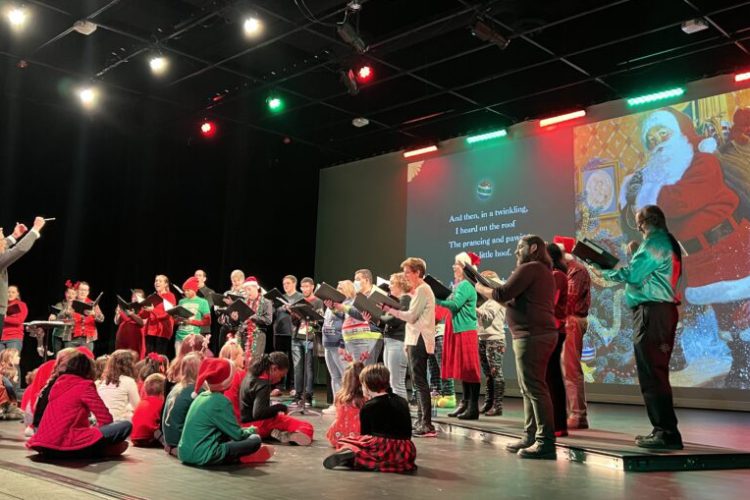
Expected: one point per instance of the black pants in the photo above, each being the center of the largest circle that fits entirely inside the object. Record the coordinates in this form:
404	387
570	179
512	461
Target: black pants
283	343
158	345
237	449
655	324
556	385
418	365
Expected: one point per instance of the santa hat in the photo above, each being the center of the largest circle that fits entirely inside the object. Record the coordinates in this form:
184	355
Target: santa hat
565	243
217	373
741	123
251	281
191	284
672	119
86	351
468	259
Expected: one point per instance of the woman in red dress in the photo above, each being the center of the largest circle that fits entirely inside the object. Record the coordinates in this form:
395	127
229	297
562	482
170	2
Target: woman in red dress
130	326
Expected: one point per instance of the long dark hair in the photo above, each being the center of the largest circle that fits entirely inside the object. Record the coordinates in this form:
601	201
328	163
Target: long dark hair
540	255
80	365
265	362
557	257
654	217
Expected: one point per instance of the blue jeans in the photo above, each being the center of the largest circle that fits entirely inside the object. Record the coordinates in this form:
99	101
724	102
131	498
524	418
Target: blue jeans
359	346
303	376
112	435
336	367
394	357
11	344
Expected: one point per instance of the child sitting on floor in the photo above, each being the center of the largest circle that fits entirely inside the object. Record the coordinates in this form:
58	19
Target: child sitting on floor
10	388
178	401
211	434
385	444
232	351
255	402
147	415
65	430
349	400
152	363
117	387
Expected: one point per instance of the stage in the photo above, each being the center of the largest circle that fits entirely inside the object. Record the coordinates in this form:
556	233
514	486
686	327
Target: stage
450	466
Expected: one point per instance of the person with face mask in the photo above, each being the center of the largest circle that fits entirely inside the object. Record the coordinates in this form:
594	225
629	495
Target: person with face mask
529	299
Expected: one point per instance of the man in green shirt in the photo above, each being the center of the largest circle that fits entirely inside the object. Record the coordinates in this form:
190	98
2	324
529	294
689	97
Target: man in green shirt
198	306
651	290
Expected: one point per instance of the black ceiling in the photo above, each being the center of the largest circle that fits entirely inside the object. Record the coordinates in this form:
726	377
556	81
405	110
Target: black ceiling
434	80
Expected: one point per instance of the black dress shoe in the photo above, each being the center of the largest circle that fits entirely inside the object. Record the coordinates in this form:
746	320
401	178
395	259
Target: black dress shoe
343	458
539	452
470	414
659	442
519	445
462	406
487	407
495	411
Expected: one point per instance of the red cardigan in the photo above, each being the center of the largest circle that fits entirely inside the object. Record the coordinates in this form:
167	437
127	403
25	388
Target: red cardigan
13	326
65	423
147	418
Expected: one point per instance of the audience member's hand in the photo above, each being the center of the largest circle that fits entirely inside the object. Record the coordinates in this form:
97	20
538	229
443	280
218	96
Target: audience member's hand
19	230
39	223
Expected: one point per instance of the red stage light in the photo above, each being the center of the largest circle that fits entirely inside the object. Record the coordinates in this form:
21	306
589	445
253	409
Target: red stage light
364	74
208	129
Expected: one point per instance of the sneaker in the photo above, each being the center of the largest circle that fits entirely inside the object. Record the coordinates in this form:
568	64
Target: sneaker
342	458
659	442
331	410
264	454
298	438
425	432
29	431
519	445
539	451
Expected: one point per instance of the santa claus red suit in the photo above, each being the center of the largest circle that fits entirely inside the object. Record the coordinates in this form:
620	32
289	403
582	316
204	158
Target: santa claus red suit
702	212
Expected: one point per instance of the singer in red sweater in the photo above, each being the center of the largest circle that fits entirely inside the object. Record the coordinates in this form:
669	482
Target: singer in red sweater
160	325
12	336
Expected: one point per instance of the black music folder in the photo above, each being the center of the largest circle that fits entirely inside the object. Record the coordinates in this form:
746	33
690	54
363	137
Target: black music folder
304	310
473	276
243	310
381	298
180	312
327	292
441	291
592	253
363	304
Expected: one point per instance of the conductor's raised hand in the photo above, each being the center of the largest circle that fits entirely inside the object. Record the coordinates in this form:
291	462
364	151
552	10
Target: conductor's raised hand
19	230
39	223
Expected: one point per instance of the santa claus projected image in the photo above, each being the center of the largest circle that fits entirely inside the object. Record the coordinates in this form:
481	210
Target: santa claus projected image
693	160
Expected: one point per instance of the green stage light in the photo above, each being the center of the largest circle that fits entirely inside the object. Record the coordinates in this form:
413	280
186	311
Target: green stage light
658	96
275	104
486	136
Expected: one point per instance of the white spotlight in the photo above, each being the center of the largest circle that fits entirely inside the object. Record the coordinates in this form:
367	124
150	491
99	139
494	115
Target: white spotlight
17	17
158	64
88	96
252	26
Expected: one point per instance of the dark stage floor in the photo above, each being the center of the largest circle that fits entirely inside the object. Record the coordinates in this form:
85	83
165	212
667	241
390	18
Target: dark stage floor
449	467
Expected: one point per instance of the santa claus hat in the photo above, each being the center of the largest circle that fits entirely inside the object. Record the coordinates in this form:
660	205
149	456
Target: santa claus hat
566	243
217	373
672	119
191	284
468	259
251	281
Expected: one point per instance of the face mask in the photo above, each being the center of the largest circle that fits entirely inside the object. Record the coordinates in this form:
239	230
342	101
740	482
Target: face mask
357	286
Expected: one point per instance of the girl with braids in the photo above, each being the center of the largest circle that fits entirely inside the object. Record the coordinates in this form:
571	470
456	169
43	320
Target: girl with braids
255	402
117	388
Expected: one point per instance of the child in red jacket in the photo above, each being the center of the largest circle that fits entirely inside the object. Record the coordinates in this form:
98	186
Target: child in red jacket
147	415
65	430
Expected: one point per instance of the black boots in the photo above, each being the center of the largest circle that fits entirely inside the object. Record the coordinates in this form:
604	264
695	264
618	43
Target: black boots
489	398
460	409
472	409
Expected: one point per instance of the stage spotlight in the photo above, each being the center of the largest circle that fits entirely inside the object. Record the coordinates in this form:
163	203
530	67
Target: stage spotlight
252	26
17	17
348	34
158	64
275	103
486	33
364	74
350	82
208	129
89	97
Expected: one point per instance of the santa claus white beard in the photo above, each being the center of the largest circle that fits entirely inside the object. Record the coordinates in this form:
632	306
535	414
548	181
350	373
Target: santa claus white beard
665	166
